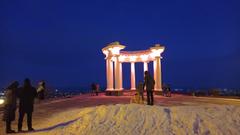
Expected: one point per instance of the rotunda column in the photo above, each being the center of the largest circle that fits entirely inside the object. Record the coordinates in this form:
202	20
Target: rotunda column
120	76
158	74
109	71
133	82
117	73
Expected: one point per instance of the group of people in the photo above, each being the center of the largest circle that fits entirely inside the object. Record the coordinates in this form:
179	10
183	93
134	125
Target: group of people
166	90
95	88
26	95
149	85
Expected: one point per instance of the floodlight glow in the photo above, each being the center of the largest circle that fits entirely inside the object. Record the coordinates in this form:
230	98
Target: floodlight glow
156	52
113	59
144	57
133	58
115	50
122	58
152	55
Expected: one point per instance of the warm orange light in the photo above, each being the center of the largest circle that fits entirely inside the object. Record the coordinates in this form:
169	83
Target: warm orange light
122	58
1	101
156	52
144	57
113	59
115	50
133	58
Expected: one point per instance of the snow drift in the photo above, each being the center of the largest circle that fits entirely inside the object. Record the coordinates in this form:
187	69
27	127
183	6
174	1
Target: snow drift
134	119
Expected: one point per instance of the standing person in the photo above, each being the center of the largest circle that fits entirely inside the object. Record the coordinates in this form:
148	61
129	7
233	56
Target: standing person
97	89
10	105
41	90
164	92
26	95
141	90
169	91
149	83
93	87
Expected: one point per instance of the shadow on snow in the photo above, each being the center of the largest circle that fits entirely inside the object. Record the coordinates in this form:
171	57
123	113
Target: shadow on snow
63	124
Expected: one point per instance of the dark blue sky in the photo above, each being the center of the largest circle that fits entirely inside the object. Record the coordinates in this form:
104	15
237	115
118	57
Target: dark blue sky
61	41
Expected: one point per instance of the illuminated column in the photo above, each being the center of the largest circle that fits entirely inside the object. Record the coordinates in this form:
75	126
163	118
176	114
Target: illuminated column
156	51
107	73
133	83
117	74
120	75
158	74
155	73
110	75
109	68
145	66
112	50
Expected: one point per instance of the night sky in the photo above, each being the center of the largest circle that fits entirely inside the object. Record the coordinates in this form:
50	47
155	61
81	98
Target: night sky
61	41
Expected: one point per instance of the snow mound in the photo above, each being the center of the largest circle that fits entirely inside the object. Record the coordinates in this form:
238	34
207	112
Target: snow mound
134	119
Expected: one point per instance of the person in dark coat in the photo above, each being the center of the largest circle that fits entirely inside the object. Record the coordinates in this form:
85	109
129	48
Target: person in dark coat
97	89
94	88
168	91
26	96
164	88
10	105
149	83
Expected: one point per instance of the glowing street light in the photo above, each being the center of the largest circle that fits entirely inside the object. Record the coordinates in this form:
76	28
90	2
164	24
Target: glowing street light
1	101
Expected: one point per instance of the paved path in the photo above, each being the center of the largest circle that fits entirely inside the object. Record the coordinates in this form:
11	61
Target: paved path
45	109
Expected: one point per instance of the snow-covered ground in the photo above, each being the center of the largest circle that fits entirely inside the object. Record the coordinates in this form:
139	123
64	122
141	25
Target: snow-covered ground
134	119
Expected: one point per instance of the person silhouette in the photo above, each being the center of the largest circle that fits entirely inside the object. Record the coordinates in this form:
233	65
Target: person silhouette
10	105
140	90
149	83
41	90
27	93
